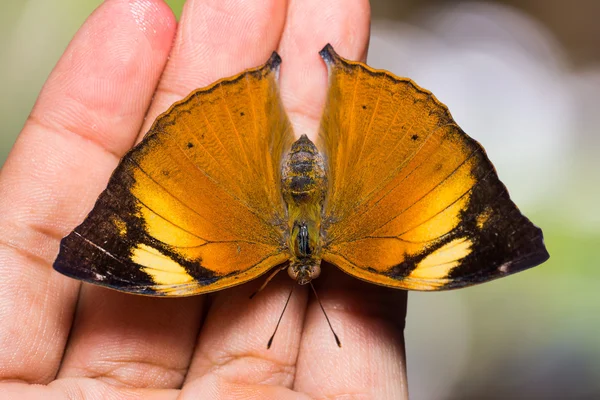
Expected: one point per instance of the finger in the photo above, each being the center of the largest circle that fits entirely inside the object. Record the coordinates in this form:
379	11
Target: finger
82	388
233	341
369	321
310	25
145	342
87	115
213	387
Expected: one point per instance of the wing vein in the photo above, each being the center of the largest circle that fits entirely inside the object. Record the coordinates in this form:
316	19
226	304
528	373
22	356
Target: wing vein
401	167
191	209
203	171
432	189
447	207
239	138
249	207
389	128
171	222
367	131
398	237
218	242
396	171
100	248
384	181
267	187
234	160
344	173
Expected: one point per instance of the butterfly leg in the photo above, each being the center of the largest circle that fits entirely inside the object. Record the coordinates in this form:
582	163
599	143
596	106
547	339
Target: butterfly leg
275	272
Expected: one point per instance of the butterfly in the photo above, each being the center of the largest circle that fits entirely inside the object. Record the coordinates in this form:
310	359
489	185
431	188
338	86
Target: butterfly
220	192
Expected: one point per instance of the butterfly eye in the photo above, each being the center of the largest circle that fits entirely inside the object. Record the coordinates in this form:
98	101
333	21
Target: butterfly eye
292	272
315	271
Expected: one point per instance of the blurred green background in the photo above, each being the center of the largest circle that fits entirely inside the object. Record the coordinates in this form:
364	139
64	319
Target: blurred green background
523	78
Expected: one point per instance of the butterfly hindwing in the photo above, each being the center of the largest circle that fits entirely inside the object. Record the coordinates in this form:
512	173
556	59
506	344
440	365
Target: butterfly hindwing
196	206
413	202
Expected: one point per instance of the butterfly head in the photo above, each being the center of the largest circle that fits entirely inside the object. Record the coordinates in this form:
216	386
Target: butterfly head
305	270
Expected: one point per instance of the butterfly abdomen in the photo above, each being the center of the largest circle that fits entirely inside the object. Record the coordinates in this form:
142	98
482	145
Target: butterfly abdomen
303	174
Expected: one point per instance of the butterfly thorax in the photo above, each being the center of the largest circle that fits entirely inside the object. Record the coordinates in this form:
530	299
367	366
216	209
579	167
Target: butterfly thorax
303	187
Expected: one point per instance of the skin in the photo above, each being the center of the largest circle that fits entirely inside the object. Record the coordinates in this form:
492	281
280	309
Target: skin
61	339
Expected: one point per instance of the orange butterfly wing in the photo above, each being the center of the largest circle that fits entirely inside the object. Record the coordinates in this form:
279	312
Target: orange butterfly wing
196	206
413	202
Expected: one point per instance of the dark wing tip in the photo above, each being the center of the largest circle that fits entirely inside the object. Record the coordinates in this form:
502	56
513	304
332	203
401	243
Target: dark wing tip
328	54
537	252
274	61
61	266
537	256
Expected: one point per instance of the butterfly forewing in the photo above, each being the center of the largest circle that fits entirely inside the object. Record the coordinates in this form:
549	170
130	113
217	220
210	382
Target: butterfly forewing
196	206
413	202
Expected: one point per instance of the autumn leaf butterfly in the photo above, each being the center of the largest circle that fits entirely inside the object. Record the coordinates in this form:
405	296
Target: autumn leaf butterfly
219	192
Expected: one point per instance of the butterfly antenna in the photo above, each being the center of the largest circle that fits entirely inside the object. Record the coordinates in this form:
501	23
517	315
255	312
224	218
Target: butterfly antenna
284	266
337	339
280	317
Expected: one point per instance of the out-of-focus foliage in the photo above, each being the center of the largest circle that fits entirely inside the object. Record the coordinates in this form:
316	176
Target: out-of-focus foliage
523	78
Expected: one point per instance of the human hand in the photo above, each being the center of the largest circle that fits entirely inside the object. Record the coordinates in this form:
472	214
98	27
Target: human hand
127	64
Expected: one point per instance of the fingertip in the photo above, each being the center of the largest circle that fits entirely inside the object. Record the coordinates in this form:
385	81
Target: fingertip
351	40
156	20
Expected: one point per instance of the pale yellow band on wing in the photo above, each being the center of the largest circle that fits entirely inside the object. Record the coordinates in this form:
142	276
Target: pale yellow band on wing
438	264
162	269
